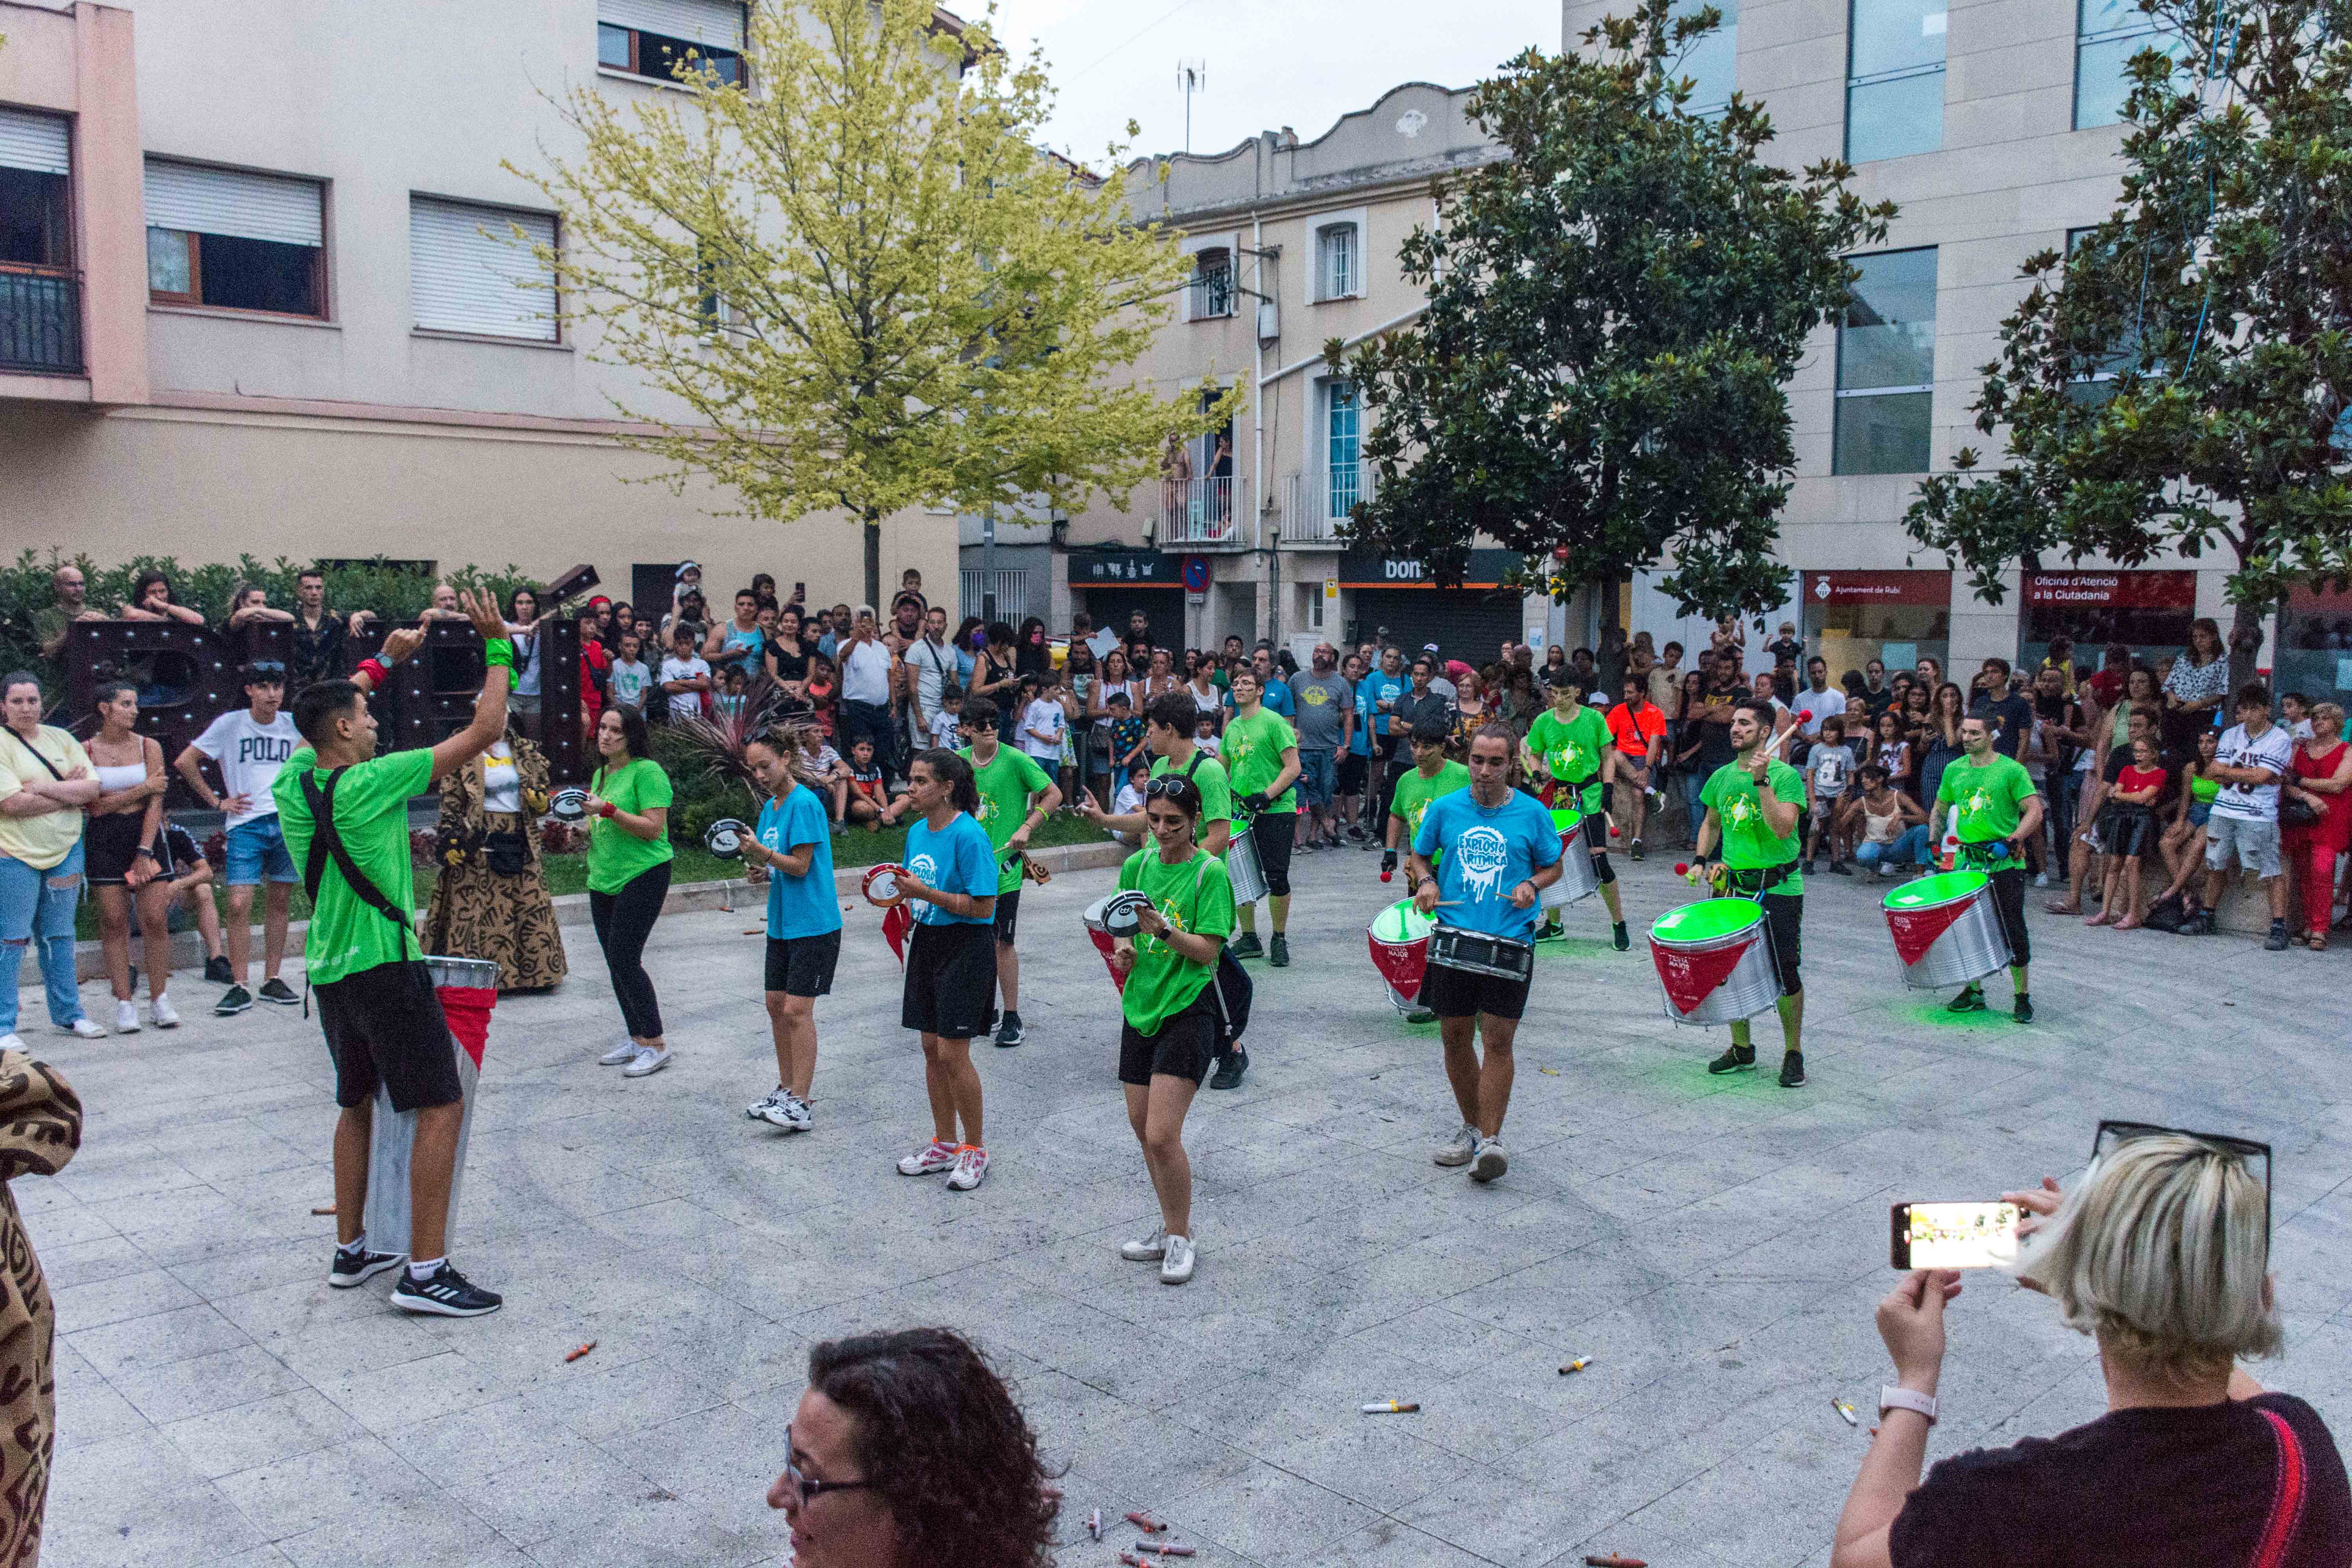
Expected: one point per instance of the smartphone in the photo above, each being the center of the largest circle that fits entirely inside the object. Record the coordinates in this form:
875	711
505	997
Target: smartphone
1953	1235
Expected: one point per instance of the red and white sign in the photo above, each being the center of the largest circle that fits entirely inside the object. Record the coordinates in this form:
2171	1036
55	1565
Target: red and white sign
2113	590
1690	978
1927	589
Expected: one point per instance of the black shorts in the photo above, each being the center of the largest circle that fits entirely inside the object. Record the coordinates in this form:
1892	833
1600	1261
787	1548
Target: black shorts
1272	833
111	843
1008	915
802	965
2130	830
1784	918
950	980
2009	903
384	1026
1183	1047
1453	992
1352	771
1603	871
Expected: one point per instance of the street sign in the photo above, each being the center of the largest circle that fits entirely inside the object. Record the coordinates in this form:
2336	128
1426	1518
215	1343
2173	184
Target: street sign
1196	574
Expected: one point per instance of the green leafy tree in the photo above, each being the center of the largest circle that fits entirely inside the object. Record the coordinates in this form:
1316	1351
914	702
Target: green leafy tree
1612	309
859	284
2179	383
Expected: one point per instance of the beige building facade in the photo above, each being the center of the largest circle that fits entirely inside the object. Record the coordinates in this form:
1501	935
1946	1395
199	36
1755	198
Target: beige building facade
256	296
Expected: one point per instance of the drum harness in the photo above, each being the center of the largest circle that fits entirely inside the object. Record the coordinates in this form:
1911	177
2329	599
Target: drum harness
1232	982
1733	882
326	841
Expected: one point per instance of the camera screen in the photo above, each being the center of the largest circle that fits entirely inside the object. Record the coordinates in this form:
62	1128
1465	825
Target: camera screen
1963	1235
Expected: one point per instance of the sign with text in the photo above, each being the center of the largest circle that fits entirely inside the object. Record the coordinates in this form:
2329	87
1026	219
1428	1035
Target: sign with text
2113	590
1108	567
1361	570
1931	590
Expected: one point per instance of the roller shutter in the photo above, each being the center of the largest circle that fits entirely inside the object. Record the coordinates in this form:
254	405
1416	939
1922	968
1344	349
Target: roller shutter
467	273
227	202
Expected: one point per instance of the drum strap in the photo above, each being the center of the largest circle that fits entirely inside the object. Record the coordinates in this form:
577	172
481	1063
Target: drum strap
325	842
1757	881
1982	855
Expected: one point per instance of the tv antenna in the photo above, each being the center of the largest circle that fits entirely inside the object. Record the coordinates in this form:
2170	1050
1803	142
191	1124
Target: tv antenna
1192	76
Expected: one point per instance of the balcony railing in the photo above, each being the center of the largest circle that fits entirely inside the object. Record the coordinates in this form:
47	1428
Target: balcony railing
1316	504
1207	511
40	323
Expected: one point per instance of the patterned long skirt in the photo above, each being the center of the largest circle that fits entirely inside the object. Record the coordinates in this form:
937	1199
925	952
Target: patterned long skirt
476	913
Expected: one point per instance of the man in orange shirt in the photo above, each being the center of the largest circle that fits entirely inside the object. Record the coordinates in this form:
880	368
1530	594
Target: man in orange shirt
1639	728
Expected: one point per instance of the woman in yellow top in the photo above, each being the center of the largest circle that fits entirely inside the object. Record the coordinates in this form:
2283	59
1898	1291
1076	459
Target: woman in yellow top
45	781
628	878
490	899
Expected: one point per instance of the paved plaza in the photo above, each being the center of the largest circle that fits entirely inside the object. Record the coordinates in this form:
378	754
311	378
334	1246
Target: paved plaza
1714	1246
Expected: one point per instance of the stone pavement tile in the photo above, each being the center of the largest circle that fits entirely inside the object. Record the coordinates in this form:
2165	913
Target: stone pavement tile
387	1399
1373	1459
240	1270
1386	1543
611	1401
484	1440
251	1557
112	1300
247	1436
1269	1515
89	1409
135	1525
204	1383
69	1264
346	1482
555	1494
668	1535
134	1345
1500	1518
398	1531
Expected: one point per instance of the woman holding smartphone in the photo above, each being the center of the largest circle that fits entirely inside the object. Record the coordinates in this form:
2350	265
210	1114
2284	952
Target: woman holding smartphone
628	879
1169	1026
950	984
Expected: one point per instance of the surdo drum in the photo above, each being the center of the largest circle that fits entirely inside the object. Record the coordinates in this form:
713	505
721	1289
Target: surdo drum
1945	930
1715	960
1243	868
1576	877
1399	940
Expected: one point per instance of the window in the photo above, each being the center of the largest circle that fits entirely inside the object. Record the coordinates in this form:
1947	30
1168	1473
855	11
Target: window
2099	384
235	241
2107	34
34	228
1887	366
467	273
653	38
1337	273
1210	294
1712	62
1895	79
1342	447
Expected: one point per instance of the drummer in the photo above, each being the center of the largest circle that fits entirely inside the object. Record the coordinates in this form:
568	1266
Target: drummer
1170	1025
792	849
1433	775
1569	750
1752	803
1997	812
1261	760
951	969
1501	852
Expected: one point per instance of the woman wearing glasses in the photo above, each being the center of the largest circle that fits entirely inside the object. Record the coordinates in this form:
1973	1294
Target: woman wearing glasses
1170	1024
906	1448
2161	1254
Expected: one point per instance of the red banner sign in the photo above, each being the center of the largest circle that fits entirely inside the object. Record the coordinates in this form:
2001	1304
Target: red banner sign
1916	931
1690	978
2113	590
1927	589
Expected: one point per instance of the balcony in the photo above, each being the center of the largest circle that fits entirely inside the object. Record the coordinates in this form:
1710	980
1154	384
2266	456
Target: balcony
1211	514
40	323
1316	504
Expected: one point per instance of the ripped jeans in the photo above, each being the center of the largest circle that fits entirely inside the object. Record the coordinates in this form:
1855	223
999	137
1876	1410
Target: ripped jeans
39	906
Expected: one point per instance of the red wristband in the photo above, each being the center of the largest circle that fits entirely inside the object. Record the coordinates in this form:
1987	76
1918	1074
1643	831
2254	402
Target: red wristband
606	808
375	669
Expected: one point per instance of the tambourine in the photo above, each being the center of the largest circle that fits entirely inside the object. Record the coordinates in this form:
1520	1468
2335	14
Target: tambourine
725	838
568	805
1121	913
881	885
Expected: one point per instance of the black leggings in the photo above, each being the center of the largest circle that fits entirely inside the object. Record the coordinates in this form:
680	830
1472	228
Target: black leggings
623	921
1274	832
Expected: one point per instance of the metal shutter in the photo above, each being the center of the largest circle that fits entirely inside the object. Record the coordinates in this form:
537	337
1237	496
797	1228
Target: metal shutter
467	274
35	141
1462	622
718	22
244	206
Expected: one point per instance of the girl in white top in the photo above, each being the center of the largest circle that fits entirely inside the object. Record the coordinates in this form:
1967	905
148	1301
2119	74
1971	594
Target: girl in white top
124	854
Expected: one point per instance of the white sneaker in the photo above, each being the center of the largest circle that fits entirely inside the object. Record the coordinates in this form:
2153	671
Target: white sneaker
1457	1150
971	1166
649	1061
1177	1267
165	1016
11	1042
1490	1161
757	1109
1885	869
789	1112
620	1056
929	1160
126	1017
2042	878
1149	1250
84	1027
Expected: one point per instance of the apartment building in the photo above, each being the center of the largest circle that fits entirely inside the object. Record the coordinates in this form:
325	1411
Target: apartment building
257	294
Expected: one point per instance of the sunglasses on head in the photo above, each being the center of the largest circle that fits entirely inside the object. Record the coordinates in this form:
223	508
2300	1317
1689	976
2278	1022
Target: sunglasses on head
1176	790
267	666
2121	1133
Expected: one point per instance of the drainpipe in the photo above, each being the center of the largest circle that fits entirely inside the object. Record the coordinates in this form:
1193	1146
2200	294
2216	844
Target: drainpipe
1257	419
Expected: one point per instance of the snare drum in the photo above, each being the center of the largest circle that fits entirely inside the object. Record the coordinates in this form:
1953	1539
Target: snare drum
1399	938
1946	931
1243	870
1715	960
1483	953
1576	877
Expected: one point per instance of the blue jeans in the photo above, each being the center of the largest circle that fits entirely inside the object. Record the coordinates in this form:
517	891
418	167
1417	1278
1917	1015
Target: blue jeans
35	904
257	849
1909	848
1693	781
1316	773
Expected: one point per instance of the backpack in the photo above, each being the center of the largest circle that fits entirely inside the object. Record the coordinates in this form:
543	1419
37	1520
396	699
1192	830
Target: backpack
1231	987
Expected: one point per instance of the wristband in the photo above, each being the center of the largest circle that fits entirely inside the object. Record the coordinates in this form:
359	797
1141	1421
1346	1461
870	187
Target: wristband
1893	1398
143	849
606	808
375	669
497	650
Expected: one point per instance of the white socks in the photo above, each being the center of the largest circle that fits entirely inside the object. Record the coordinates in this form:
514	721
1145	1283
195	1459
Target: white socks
422	1269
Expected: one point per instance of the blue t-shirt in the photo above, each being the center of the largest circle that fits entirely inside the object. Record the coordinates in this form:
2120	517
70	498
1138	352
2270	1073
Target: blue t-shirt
959	860
1489	852
1374	687
1361	742
800	906
1276	697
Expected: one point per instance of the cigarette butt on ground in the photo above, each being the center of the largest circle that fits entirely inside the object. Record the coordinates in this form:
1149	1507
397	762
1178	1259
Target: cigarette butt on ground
755	931
1578	1364
323	1208
1146	1523
570	1356
1549	1072
1391	1408
1612	1559
1130	1559
1170	1549
1845	1411
1094	1523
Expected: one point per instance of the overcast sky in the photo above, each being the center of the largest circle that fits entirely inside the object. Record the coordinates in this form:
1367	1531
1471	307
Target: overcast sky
1270	63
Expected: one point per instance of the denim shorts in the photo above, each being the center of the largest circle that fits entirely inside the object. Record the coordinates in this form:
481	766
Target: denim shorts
2253	845
257	850
1317	773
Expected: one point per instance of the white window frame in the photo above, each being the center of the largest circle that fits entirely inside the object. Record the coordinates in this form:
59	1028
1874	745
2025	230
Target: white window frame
1321	506
1356	218
1192	246
487	215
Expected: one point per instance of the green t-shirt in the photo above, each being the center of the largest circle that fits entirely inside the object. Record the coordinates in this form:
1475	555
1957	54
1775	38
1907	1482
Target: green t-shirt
372	798
1748	842
1987	802
1254	748
616	855
1216	790
1570	751
1192	896
1413	792
1005	786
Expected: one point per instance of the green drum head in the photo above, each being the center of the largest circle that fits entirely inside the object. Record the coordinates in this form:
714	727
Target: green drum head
1565	819
1930	891
1707	919
1400	923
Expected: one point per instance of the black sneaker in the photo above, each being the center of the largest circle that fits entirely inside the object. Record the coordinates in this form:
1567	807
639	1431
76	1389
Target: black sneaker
236	999
445	1293
1970	1000
1620	937
2023	1011
1229	1067
216	971
2276	941
1792	1070
1279	953
1246	946
1637	850
357	1266
1840	869
1738	1058
1008	1032
277	991
1551	931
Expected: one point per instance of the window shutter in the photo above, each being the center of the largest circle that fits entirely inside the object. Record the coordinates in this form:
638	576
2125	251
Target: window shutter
35	141
241	206
718	22
463	279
